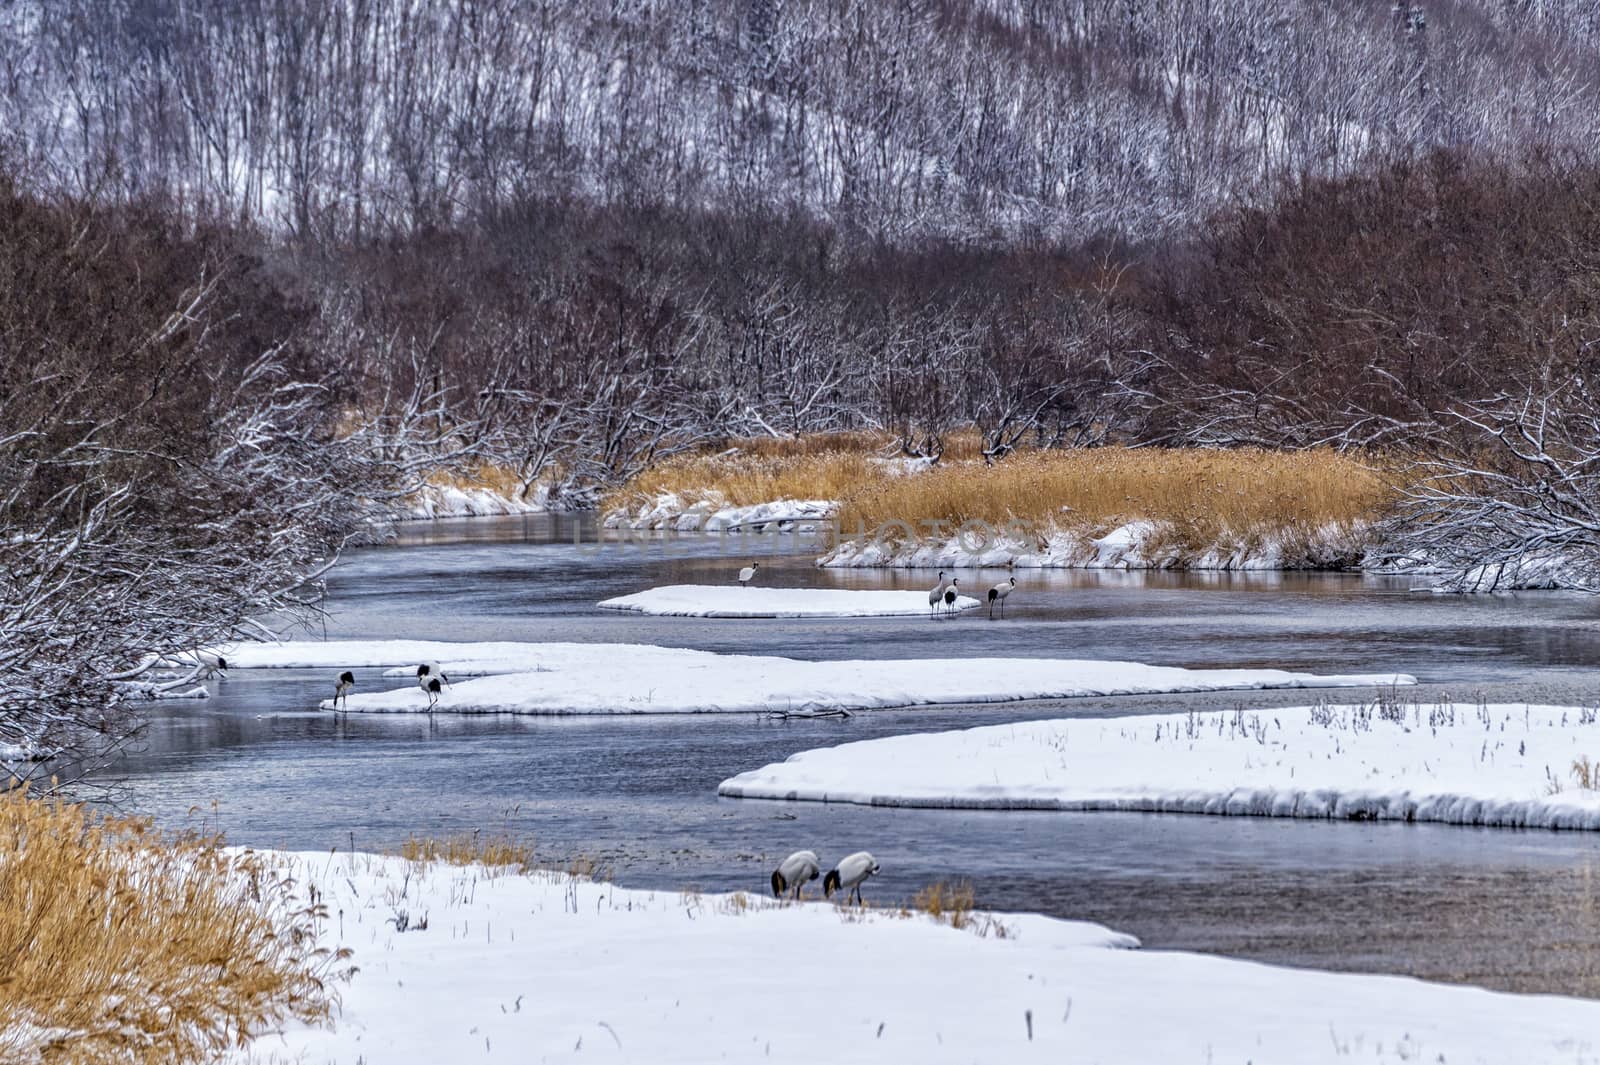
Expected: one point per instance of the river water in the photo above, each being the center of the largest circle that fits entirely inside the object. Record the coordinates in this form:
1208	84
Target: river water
1508	909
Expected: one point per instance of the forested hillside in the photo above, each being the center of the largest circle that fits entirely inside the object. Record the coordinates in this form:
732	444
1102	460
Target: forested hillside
978	120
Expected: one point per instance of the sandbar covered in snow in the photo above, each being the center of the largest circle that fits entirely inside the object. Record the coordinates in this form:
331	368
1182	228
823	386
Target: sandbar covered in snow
1500	765
732	601
500	966
570	678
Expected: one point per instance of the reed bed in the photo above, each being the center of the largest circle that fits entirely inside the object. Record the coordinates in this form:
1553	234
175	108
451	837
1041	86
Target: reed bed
120	943
745	478
1197	496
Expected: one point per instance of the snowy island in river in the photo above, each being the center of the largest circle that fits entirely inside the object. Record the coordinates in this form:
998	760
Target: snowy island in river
573	678
1510	766
731	601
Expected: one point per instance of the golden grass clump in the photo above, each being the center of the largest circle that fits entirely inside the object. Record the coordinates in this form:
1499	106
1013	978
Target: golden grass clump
501	480
743	479
471	848
1586	773
950	903
1199	494
120	943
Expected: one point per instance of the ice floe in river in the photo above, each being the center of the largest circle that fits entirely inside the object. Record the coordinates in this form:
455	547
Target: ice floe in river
732	601
571	678
1499	765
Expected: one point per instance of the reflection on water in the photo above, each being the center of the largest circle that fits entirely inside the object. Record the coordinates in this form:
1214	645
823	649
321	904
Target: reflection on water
1508	909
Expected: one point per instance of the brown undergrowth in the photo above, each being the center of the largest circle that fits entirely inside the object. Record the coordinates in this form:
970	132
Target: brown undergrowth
122	943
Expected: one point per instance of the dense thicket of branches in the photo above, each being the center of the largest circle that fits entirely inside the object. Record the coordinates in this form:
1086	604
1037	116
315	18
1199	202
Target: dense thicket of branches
977	119
172	461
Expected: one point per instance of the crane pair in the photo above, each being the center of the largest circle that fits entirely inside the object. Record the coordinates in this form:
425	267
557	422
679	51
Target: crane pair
802	867
947	594
430	678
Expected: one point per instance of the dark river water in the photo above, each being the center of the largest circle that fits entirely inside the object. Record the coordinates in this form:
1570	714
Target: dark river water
1503	908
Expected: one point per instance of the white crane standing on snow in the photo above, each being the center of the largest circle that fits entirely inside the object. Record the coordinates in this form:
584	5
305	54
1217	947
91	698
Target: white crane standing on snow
748	574
795	871
998	594
433	689
935	594
341	690
850	874
951	594
211	664
428	671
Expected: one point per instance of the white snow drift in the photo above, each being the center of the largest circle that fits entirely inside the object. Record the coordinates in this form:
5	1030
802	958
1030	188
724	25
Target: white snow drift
731	601
451	501
710	513
1478	765
572	678
543	967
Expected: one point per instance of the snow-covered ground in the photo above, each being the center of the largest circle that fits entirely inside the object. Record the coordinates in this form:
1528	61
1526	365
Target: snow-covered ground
1457	763
1135	545
572	678
716	601
709	512
465	964
449	501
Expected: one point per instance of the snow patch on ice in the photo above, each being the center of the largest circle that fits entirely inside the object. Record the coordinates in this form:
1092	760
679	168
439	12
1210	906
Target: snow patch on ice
715	601
1495	765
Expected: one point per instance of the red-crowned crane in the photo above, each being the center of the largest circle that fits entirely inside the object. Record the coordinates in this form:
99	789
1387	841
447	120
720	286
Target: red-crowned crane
795	871
998	594
851	872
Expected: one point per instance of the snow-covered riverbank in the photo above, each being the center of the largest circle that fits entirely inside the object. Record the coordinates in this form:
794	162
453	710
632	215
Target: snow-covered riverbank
1513	766
1135	545
470	964
709	512
570	678
452	501
713	601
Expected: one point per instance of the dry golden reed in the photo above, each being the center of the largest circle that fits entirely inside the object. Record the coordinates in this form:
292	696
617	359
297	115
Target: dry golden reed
119	943
950	903
1197	495
471	848
1201	490
498	479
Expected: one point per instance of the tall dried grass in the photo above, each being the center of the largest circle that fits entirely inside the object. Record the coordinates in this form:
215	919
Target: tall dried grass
471	848
119	943
1196	495
743	479
498	479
